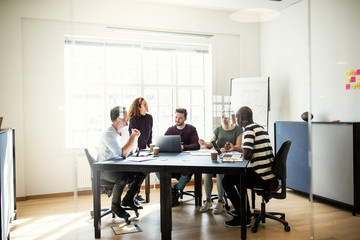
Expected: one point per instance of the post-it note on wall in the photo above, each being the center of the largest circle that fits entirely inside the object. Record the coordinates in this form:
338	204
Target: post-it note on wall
358	85
352	72
358	72
347	80
358	79
347	86
353	79
352	86
347	72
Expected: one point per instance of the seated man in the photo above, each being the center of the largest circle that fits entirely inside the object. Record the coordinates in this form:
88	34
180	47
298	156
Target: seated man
109	148
190	141
256	148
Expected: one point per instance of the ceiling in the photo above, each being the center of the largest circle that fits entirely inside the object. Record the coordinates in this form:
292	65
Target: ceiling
228	5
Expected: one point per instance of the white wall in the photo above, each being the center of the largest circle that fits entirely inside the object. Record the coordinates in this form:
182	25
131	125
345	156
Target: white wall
285	58
32	64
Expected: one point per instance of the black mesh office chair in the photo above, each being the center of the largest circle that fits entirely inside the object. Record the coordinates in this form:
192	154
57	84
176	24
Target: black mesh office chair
106	188
279	169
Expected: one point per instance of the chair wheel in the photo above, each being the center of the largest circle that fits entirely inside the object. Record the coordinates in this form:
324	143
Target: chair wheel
254	229
287	229
127	221
282	217
227	207
137	214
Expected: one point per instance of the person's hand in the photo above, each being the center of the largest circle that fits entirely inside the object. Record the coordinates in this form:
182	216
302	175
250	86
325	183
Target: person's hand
223	150
135	132
229	146
182	147
202	142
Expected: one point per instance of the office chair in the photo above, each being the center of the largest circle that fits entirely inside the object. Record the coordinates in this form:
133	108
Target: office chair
106	188
279	169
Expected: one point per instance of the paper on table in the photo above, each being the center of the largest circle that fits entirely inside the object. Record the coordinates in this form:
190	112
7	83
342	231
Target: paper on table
139	159
201	152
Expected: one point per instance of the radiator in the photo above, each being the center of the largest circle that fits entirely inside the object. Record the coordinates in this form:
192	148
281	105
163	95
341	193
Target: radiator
83	173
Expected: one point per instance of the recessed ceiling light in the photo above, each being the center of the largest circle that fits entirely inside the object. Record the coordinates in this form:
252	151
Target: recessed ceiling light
255	15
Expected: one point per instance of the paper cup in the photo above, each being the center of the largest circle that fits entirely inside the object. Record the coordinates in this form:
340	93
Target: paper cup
156	151
214	156
152	147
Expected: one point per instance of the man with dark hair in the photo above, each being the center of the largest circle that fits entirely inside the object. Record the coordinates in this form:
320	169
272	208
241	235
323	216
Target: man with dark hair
109	148
258	150
190	141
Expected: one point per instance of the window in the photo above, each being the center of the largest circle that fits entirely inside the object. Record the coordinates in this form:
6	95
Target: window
102	74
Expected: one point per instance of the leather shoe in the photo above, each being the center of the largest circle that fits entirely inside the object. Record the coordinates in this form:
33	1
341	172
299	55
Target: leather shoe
119	211
130	204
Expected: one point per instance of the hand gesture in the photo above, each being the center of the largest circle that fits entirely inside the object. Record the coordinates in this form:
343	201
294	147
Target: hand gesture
202	142
135	132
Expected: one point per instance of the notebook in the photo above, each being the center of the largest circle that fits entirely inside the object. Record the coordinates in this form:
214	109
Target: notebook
226	155
169	143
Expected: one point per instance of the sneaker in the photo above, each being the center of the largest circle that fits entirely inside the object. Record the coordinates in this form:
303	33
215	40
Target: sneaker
207	205
233	213
235	222
140	199
218	208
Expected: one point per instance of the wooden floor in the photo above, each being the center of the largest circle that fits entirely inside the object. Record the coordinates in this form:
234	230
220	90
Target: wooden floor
68	218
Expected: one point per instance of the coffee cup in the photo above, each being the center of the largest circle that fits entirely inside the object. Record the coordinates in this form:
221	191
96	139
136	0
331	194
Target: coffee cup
152	147
156	151
214	156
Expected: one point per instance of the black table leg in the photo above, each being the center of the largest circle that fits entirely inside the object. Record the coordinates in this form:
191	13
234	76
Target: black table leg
97	203
147	188
243	203
165	205
198	189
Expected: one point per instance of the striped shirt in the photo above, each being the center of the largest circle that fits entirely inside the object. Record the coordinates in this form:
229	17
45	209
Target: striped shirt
257	140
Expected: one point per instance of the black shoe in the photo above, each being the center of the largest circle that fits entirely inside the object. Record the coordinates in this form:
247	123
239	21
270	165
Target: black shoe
130	204
175	197
235	222
233	213
119	211
140	199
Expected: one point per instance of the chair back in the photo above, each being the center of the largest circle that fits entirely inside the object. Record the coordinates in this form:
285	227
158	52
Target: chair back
89	157
279	169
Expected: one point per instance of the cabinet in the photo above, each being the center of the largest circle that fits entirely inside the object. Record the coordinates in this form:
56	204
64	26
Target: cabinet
335	158
7	175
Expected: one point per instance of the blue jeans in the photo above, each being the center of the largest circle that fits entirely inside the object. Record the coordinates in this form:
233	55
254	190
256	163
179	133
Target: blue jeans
183	180
208	185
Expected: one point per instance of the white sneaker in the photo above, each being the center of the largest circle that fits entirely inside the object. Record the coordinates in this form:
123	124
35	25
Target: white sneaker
207	205
218	208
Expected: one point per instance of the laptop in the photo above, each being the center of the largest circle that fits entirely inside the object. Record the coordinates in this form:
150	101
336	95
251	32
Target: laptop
226	155
169	143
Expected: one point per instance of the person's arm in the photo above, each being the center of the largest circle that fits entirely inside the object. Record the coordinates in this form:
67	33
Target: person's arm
207	145
150	136
237	147
131	125
194	140
130	143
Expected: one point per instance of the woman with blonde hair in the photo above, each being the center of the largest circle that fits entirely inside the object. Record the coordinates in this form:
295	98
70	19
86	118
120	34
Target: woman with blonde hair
223	135
142	121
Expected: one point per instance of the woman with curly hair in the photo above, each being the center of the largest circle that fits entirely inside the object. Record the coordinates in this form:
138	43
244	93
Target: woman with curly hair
142	121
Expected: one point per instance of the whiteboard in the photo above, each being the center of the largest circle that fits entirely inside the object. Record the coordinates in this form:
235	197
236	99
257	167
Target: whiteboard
254	93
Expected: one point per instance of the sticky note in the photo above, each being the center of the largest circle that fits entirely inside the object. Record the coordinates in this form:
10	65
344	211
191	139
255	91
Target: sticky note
358	79
347	80
347	86
358	85
352	72
353	79
352	86
347	73
358	72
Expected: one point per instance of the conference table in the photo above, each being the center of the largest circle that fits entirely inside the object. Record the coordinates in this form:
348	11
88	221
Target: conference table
166	164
